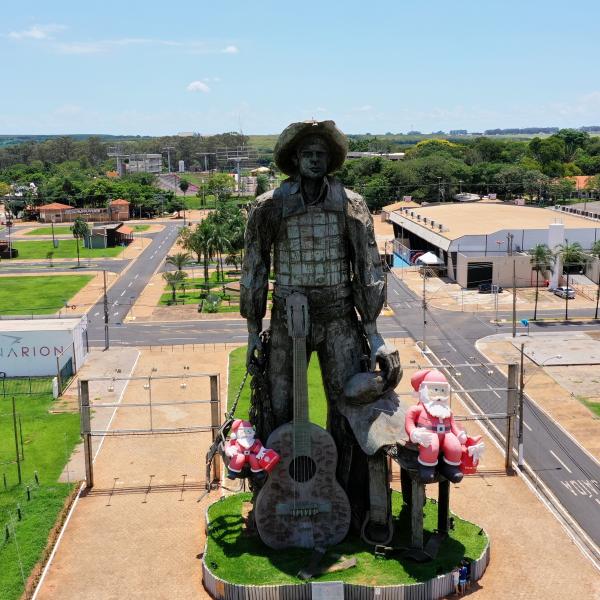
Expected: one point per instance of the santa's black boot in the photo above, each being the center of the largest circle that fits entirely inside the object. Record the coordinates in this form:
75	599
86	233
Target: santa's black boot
426	473
451	472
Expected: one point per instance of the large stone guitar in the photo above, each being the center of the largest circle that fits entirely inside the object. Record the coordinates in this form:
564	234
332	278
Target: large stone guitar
302	505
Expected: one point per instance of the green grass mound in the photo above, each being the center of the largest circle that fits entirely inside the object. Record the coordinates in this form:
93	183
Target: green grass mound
238	558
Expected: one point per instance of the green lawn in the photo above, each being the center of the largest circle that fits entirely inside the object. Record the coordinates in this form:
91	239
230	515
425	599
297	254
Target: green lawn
48	440
316	392
239	558
64	230
40	295
66	249
139	228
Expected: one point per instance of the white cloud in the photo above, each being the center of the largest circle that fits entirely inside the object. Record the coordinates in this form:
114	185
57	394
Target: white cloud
37	32
198	86
365	108
230	50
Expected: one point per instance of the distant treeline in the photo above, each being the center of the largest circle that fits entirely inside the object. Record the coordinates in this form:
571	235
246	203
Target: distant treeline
537	130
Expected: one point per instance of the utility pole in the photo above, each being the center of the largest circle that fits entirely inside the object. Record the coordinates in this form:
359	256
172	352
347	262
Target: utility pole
385	273
521	401
514	300
168	149
424	310
511	406
106	340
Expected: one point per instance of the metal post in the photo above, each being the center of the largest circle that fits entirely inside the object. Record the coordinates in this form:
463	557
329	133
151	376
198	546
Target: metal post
424	311
416	514
84	410
443	505
215	421
150	401
511	406
521	401
105	301
14	412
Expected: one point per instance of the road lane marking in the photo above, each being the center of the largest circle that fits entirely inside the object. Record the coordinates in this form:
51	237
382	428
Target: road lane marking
560	461
123	293
451	346
130	284
115	314
598	501
493	391
96	314
136	275
525	423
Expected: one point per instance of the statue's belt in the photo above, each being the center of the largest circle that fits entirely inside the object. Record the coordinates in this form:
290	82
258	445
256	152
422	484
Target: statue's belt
324	302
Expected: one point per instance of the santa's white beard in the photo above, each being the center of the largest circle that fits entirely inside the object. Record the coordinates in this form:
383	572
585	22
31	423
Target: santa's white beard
437	409
245	442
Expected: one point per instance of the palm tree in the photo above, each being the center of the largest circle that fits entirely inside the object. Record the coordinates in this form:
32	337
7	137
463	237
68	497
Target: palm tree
80	230
200	242
173	279
178	260
595	252
572	256
220	244
542	259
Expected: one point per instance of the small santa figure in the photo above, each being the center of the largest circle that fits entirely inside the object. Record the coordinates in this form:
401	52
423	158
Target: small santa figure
430	424
243	448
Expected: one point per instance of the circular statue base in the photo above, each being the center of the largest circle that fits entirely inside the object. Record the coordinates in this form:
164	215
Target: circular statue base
236	564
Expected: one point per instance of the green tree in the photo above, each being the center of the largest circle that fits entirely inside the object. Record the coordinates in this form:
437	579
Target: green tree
184	185
542	260
262	184
176	205
174	279
573	258
221	186
178	260
80	230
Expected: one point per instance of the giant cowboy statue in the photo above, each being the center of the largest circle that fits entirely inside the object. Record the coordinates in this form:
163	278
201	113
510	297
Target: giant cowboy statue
317	238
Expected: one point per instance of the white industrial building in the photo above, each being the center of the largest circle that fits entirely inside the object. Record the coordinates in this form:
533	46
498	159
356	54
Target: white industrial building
472	239
42	347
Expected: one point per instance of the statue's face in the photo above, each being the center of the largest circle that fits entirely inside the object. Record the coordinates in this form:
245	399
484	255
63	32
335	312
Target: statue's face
313	158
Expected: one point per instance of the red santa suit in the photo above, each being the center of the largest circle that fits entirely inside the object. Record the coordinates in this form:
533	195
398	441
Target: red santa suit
243	449
430	423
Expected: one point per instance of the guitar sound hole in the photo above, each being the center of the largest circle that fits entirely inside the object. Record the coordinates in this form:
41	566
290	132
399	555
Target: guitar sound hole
302	468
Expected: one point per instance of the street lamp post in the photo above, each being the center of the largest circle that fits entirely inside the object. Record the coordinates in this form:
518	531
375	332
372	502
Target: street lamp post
521	460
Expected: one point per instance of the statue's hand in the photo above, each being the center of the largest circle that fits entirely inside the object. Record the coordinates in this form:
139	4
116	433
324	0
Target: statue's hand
388	359
254	346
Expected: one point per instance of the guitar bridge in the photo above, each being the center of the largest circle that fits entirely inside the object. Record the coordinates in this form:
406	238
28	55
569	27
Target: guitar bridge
302	509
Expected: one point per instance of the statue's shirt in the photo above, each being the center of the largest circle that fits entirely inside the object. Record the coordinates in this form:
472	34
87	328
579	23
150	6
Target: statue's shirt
321	245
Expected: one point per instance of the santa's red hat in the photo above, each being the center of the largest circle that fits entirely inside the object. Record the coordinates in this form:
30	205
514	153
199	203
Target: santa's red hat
427	376
236	425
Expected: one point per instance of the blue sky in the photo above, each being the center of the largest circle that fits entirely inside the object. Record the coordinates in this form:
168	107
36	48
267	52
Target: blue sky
143	67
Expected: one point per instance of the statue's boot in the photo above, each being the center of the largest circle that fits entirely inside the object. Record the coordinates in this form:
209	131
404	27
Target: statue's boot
426	473
451	472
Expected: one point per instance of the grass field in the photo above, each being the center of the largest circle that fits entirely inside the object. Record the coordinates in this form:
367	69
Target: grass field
140	228
48	231
240	558
316	393
66	249
38	295
48	440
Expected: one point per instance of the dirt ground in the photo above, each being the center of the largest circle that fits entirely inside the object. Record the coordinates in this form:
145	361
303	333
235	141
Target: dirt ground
444	294
140	532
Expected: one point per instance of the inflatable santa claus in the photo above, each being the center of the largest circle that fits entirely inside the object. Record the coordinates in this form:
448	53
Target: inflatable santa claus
244	449
430	424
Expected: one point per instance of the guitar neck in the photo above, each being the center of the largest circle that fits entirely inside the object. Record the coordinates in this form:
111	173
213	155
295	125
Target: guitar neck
300	382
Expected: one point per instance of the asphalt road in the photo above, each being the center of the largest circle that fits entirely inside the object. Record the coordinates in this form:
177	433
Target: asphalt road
570	473
555	460
124	292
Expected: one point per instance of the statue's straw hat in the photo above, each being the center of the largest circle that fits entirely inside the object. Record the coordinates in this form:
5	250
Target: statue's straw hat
292	135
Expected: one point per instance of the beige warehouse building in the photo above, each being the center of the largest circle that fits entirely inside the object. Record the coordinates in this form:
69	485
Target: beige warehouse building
472	239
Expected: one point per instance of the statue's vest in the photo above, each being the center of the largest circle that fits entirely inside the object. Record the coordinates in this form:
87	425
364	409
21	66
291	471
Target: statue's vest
310	249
